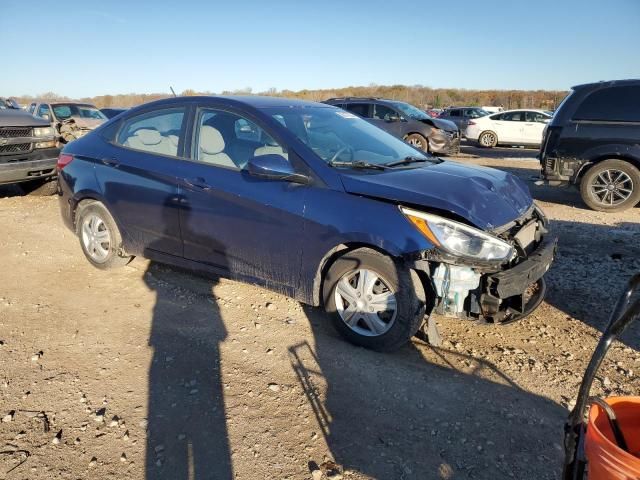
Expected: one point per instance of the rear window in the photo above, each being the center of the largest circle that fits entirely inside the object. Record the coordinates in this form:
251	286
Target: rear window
614	104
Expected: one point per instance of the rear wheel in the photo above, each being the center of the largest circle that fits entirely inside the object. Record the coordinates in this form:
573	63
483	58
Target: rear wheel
40	188
418	141
99	236
611	186
373	301
488	139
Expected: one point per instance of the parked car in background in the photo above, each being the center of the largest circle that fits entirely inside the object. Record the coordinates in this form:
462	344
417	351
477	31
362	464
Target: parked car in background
28	152
513	127
70	119
8	103
404	121
461	115
112	112
593	141
320	205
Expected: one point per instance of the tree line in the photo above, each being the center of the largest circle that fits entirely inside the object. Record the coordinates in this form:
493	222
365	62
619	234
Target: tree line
419	95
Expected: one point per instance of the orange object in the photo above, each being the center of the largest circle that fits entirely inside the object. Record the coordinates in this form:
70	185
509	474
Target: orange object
605	460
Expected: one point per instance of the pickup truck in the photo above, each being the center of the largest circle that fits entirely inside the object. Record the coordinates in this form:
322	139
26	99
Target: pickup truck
28	151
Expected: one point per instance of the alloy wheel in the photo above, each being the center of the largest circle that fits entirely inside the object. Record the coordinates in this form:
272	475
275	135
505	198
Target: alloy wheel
487	140
96	238
612	187
365	302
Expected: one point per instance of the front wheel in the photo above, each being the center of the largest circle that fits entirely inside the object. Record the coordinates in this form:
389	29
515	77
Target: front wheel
374	302
418	141
99	236
611	186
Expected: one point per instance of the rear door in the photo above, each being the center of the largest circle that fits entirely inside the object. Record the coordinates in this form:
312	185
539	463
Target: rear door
138	174
232	220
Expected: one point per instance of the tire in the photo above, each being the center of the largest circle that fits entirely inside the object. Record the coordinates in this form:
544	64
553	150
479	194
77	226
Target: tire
611	186
93	219
40	188
391	330
488	139
418	141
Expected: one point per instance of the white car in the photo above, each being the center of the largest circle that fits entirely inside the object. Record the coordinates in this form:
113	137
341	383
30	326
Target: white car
511	127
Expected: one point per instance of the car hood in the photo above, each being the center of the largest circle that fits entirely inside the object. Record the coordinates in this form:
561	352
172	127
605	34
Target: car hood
20	118
485	197
442	124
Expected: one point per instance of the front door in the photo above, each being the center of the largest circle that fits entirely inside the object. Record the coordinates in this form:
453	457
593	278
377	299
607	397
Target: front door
387	119
245	225
533	127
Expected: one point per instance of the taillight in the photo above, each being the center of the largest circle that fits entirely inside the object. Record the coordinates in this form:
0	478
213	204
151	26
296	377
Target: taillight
64	159
471	122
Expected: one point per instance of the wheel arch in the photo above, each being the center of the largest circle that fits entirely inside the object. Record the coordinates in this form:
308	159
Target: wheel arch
586	166
339	250
330	257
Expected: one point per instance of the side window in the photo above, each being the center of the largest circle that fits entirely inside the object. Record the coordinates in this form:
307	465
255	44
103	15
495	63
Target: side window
513	116
455	113
361	109
44	110
615	104
229	140
382	112
158	131
496	117
536	117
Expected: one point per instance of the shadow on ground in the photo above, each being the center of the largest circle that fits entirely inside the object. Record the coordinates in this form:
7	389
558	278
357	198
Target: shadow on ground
415	414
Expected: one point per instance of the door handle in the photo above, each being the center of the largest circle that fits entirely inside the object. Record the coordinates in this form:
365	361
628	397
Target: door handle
110	162
198	182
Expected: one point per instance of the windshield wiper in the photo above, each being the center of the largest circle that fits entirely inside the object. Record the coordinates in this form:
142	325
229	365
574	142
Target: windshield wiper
358	164
407	161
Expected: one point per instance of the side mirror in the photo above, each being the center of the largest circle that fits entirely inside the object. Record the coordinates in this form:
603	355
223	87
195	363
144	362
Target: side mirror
545	121
274	167
392	118
45	116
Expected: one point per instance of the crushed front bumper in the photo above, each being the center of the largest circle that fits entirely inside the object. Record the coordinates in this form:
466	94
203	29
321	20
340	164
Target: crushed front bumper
504	296
444	143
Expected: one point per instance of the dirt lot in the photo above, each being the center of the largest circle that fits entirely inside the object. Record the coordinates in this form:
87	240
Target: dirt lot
148	372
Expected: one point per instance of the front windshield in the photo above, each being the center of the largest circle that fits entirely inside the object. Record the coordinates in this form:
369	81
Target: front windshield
339	136
63	111
411	111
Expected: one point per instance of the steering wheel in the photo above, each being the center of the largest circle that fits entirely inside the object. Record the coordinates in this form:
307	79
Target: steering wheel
340	151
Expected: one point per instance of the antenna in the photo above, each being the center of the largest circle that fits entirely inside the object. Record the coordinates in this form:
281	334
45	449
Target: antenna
174	93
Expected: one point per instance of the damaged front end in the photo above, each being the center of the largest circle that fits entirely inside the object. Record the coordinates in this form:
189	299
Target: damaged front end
497	290
74	127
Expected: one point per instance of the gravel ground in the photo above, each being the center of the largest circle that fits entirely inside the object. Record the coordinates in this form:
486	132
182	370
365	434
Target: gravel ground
149	372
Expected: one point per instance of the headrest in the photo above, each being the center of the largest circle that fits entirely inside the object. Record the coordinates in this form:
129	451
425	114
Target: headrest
211	141
148	136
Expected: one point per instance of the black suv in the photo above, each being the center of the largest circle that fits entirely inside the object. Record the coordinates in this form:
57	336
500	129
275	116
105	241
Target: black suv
404	121
28	151
593	141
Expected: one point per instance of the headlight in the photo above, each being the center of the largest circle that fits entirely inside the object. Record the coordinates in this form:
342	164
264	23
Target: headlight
459	239
43	132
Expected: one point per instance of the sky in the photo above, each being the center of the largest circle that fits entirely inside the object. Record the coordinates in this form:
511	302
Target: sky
89	47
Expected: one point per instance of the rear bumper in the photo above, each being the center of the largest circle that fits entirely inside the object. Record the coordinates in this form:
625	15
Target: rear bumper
561	171
39	164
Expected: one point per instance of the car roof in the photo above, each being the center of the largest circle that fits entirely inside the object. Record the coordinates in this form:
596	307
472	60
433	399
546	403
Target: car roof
607	83
522	110
71	102
255	101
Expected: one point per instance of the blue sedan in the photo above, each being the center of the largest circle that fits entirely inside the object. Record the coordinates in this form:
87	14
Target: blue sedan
310	201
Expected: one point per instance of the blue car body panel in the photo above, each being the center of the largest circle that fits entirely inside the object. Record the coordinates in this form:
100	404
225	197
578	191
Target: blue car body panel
271	232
